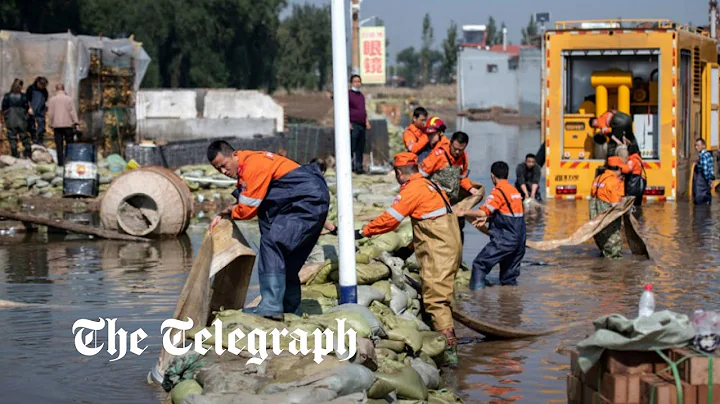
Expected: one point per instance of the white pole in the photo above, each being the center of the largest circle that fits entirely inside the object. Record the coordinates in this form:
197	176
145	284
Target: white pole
346	232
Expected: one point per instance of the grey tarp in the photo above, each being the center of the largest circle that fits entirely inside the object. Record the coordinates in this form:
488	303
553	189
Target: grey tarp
664	329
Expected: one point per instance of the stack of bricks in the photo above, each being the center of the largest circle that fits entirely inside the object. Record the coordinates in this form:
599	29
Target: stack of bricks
628	377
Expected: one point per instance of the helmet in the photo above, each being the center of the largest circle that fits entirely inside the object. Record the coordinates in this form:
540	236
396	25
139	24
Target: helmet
435	124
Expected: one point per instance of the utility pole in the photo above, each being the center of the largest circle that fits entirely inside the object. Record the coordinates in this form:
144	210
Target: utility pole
713	18
355	7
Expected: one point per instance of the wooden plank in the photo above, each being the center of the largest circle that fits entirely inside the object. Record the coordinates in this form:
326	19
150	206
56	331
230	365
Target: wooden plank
694	370
69	226
615	388
631	362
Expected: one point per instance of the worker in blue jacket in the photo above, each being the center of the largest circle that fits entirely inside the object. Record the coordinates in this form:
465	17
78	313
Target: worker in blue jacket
291	202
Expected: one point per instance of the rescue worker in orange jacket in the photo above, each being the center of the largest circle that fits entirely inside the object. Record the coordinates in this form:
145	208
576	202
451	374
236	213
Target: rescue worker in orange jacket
415	139
435	130
617	126
608	190
447	165
634	173
291	203
436	239
507	230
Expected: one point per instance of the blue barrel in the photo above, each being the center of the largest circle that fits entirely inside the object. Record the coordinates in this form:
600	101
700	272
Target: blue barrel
80	177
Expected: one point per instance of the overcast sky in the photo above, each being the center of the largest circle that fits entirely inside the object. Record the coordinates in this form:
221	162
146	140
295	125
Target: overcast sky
403	18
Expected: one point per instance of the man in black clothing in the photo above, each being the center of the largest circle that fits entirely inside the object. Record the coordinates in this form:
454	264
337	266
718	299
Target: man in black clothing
528	178
37	95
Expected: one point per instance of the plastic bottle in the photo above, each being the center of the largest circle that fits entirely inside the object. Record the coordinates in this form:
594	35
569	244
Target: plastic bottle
647	302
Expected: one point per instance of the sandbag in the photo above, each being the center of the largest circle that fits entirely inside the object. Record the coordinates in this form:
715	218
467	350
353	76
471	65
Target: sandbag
317	305
342	380
429	374
405	232
421	326
376	326
391	321
367	294
316	256
370	250
367	274
353	319
387	242
434	343
326	289
384	286
395	265
185	388
227	379
408	384
322	276
410	336
395	346
391	366
399	300
443	397
380	389
382	353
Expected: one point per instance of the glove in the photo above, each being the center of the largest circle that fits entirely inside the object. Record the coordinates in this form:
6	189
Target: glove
334	231
358	235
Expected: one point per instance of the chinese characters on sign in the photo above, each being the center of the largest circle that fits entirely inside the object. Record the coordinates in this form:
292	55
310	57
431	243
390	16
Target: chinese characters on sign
372	55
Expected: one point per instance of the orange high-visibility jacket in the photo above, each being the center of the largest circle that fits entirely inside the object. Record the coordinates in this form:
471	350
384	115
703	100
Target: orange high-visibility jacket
604	122
417	199
440	158
497	202
608	187
634	165
415	139
256	169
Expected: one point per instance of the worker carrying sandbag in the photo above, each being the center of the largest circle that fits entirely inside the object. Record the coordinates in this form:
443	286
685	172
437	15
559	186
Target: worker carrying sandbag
291	202
507	230
608	190
447	165
617	126
415	139
436	239
634	172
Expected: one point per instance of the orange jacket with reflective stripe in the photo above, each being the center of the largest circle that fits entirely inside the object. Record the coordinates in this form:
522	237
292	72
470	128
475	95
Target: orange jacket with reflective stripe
417	198
608	188
634	165
496	201
415	139
438	160
256	169
604	122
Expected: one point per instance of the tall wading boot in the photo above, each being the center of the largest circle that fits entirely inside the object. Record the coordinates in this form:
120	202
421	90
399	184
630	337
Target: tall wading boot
272	292
451	356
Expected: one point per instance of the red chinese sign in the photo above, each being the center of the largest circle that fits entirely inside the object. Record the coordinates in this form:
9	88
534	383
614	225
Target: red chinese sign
372	55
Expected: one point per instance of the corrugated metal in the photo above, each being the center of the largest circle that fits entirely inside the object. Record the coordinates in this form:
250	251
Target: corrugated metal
529	77
485	80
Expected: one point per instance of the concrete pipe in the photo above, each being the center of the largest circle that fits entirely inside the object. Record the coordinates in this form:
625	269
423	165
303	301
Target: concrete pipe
147	202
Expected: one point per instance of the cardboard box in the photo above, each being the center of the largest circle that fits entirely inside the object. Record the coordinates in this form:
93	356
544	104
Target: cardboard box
702	394
633	389
665	393
694	370
574	390
615	388
631	362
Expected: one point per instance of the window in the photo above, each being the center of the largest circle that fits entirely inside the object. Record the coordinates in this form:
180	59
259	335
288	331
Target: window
492	68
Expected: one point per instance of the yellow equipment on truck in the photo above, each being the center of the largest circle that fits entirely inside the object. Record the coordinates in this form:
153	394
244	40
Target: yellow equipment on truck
664	75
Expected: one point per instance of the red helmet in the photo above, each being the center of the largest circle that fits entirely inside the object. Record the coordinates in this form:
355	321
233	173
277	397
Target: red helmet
435	124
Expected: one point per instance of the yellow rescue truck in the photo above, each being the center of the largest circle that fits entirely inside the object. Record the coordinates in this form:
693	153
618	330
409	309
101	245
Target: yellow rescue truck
664	75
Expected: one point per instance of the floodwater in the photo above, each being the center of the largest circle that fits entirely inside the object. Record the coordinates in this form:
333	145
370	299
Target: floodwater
72	278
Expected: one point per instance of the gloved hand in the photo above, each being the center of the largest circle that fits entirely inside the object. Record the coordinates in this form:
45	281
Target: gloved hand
334	231
358	235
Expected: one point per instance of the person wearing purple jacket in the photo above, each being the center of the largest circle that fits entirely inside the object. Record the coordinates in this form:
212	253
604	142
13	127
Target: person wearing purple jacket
358	122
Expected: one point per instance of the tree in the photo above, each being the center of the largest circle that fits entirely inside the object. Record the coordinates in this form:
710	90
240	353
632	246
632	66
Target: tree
491	32
427	41
409	66
530	33
450	53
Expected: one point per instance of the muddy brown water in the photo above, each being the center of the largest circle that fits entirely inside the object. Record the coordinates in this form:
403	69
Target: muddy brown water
139	284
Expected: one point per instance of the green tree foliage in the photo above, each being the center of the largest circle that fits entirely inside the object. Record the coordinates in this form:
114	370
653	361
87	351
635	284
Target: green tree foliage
427	41
530	33
450	53
491	32
408	62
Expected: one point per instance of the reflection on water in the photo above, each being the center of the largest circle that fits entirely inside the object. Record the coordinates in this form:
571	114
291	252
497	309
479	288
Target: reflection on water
139	284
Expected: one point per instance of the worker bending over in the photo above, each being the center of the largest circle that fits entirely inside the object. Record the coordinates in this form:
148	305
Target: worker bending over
436	238
291	203
617	126
504	208
415	139
634	172
608	190
447	165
